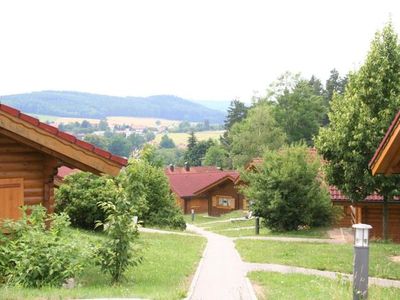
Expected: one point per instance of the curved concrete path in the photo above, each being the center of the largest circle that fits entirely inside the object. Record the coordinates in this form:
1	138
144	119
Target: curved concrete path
222	273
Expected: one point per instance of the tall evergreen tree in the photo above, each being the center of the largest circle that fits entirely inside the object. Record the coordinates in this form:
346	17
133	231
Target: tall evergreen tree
334	84
237	111
359	120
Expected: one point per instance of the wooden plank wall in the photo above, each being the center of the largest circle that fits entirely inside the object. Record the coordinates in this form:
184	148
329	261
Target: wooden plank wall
372	215
20	161
225	189
200	205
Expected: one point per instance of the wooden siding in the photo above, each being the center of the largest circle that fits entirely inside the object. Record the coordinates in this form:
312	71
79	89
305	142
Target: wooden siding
20	161
372	215
346	219
224	189
199	204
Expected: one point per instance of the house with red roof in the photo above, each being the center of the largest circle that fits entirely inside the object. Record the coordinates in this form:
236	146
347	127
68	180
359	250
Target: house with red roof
31	153
205	189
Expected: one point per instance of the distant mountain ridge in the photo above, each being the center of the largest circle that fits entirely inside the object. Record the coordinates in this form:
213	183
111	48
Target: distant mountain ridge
87	105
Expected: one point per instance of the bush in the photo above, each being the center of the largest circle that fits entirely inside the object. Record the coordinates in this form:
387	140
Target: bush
33	256
148	190
287	190
78	197
118	252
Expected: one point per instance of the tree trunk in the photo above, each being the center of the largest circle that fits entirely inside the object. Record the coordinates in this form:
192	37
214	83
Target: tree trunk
385	219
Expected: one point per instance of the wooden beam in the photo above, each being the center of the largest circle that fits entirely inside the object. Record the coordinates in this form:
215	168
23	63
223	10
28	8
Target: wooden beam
38	139
389	154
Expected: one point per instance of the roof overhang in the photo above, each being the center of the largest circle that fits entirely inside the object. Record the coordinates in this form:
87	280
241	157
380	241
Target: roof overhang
214	184
65	147
386	159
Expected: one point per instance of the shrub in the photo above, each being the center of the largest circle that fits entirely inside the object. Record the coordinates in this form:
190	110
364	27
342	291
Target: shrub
287	190
78	197
118	252
148	190
33	256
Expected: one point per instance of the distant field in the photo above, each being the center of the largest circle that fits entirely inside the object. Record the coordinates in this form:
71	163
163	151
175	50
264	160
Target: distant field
45	118
180	139
149	122
133	121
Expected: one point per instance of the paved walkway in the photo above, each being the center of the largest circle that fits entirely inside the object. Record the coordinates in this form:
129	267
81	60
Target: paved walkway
332	275
221	273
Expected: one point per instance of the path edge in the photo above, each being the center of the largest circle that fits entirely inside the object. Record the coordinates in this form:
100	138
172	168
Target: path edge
196	274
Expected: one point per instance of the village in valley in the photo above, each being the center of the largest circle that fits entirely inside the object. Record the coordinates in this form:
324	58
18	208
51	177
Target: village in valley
291	193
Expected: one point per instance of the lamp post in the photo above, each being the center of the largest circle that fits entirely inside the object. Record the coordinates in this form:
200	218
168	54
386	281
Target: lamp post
361	257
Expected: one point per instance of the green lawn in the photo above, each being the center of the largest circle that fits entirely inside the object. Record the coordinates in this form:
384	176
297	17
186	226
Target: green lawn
269	285
316	233
332	257
205	218
169	262
212	224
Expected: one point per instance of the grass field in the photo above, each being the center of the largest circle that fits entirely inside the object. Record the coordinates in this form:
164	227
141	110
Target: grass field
223	228
169	262
330	257
133	121
180	139
271	286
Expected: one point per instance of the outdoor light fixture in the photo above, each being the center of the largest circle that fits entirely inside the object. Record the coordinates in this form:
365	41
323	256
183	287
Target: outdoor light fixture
361	235
361	257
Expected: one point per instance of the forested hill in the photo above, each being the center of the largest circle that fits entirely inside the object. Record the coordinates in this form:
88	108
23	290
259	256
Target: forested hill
85	105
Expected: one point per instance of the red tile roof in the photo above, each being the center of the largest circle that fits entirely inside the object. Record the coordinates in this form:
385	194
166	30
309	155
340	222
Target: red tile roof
338	196
188	183
63	135
64	171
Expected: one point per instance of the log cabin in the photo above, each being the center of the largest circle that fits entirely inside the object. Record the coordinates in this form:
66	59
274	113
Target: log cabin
30	154
205	189
368	211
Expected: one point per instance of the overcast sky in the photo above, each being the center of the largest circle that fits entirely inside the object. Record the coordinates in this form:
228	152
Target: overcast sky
204	50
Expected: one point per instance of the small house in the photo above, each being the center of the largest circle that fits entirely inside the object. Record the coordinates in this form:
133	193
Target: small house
31	153
205	189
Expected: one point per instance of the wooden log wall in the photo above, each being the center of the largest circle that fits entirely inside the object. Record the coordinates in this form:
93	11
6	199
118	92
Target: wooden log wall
372	214
35	168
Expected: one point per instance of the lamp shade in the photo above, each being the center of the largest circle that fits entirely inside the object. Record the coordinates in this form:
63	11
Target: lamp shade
361	235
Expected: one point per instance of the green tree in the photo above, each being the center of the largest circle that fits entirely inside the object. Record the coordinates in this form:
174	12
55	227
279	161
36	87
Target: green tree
98	141
103	125
196	151
217	156
78	197
148	191
334	84
172	156
136	140
237	111
286	191
119	251
316	86
359	120
300	111
119	145
167	142
257	132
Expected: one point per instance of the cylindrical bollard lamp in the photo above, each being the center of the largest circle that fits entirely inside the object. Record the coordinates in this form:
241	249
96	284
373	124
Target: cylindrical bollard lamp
361	257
